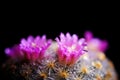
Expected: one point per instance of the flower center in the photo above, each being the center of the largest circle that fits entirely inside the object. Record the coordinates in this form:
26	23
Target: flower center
33	44
71	48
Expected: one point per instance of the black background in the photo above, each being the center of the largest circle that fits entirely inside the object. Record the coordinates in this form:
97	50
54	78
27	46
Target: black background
20	24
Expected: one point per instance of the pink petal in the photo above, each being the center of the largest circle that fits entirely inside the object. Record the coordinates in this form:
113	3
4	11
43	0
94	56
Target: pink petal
7	51
88	35
103	46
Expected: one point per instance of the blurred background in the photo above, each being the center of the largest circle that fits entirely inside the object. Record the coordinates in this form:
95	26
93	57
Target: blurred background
15	26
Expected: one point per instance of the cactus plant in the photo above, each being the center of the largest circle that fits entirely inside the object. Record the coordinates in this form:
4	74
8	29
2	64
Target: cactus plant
66	58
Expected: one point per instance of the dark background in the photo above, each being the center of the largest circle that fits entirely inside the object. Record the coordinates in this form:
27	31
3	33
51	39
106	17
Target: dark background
17	25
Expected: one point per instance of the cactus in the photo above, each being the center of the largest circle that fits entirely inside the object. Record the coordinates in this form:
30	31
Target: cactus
66	58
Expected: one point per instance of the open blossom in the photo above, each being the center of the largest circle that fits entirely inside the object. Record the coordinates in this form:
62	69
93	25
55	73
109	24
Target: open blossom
31	49
34	48
70	48
95	43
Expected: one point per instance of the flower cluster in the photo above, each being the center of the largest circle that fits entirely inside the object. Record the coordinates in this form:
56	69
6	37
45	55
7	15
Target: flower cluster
31	49
95	43
70	48
67	58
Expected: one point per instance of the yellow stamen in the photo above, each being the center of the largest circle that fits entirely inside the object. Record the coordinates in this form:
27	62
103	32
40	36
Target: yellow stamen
108	75
97	64
98	77
43	75
63	74
101	56
84	70
51	65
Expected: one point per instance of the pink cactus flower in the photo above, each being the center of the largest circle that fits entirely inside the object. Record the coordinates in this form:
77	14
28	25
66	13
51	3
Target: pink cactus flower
34	48
95	43
70	48
31	49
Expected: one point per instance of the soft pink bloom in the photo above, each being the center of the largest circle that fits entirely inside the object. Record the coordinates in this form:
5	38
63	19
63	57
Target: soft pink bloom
34	48
95	43
31	49
70	48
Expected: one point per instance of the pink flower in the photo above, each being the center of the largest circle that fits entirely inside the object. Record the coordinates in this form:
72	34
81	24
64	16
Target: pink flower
95	43
70	48
34	48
